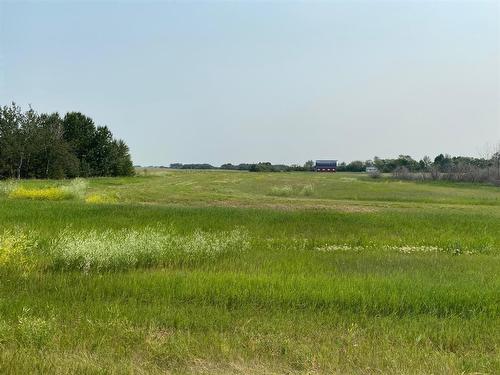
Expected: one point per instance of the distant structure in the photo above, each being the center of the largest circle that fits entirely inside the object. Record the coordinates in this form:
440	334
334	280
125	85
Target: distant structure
325	166
371	169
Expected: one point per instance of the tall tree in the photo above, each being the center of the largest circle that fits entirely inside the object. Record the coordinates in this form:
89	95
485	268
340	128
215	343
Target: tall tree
12	141
79	132
122	163
55	158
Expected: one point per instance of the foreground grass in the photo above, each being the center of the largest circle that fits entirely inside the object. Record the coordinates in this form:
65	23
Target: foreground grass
323	286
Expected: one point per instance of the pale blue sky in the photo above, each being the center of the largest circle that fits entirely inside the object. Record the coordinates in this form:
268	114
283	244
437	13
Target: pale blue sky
262	81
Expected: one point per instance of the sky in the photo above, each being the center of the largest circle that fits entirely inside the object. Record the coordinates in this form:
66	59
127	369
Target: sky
285	82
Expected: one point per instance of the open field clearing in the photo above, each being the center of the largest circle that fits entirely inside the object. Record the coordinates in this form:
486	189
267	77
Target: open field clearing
263	273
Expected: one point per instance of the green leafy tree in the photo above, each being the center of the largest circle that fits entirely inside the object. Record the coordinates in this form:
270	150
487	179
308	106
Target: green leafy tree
309	165
36	145
79	132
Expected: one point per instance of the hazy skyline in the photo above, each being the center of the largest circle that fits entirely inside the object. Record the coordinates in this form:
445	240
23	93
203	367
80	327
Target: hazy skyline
283	82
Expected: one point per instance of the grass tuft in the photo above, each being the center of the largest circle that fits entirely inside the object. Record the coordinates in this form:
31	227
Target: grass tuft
307	190
76	188
281	191
6	187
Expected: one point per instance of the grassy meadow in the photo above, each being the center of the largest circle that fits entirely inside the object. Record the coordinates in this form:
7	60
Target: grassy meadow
218	272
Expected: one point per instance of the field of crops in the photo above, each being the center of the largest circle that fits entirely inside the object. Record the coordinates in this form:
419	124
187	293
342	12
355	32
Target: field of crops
249	273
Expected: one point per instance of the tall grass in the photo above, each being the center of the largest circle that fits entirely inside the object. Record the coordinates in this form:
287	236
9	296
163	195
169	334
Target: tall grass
76	188
125	249
307	190
6	187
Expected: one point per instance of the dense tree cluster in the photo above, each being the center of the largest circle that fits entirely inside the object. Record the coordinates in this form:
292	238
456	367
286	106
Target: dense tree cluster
43	145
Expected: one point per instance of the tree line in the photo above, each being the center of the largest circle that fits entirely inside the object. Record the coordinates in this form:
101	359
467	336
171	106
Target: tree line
442	167
251	167
443	163
46	145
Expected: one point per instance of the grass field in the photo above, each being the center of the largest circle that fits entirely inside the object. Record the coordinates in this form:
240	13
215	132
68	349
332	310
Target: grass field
246	273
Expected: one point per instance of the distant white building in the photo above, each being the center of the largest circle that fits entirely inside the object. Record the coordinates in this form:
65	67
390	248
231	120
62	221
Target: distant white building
371	169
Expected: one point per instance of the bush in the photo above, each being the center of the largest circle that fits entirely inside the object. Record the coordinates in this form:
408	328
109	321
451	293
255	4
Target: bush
402	173
374	174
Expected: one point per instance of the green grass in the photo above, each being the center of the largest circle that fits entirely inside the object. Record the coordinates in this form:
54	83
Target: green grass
353	275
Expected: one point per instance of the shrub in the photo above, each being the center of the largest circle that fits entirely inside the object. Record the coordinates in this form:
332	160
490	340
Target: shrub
284	191
374	174
50	194
401	173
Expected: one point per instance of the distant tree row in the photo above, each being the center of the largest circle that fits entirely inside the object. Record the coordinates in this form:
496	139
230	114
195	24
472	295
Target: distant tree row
252	167
191	166
454	168
443	167
34	145
266	167
441	163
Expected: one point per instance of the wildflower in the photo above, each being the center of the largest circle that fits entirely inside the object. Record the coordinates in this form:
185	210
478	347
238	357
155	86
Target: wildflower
52	194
